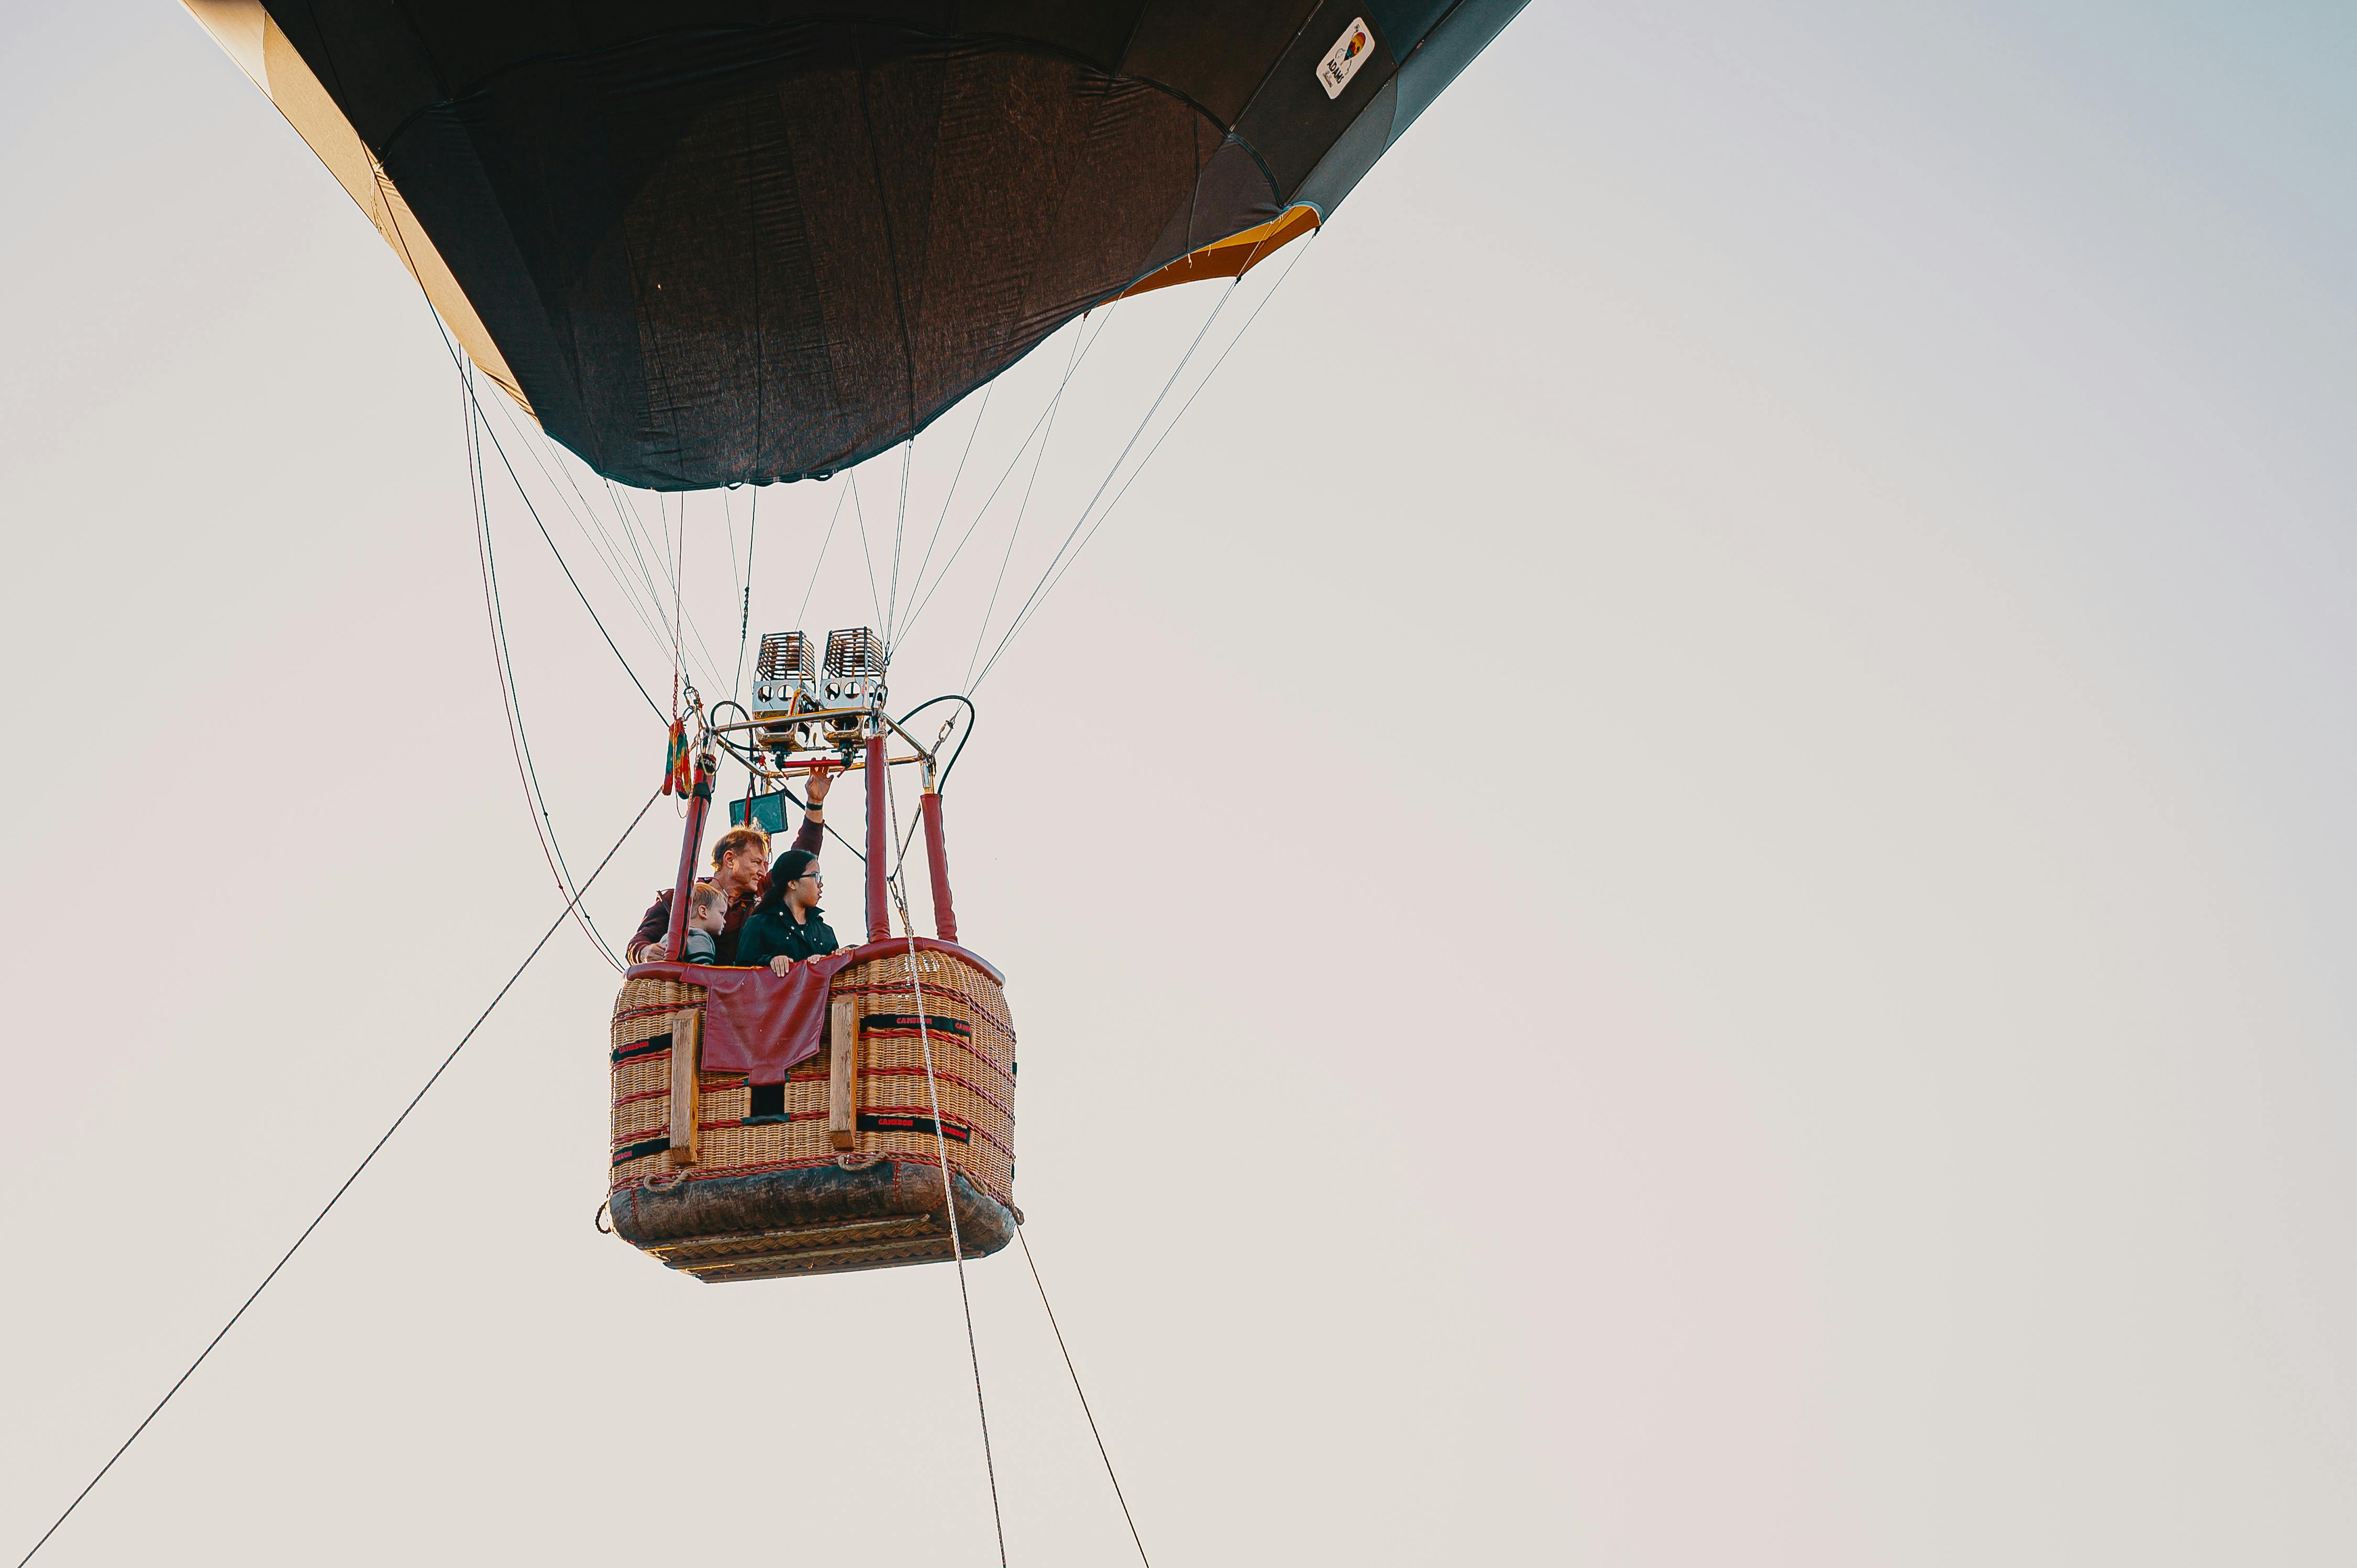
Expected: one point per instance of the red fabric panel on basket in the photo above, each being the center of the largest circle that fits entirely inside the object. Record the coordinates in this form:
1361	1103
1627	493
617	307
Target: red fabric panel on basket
758	1023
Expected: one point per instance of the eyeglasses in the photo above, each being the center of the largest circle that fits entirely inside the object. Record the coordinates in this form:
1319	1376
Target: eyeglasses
810	876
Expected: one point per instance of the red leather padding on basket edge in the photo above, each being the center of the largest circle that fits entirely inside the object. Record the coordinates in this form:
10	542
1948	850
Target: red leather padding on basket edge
762	1025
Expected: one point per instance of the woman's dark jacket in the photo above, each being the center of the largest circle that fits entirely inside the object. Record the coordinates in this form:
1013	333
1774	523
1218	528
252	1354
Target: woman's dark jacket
773	934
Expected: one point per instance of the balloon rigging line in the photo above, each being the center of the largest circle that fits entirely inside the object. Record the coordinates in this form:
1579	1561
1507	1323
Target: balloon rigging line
553	549
1152	409
511	695
600	542
633	524
835	518
1075	1371
662	558
677	572
1009	471
728	521
859	515
1024	619
907	924
366	1160
674	577
899	525
632	527
658	625
949	1194
450	346
918	581
1021	511
522	494
675	534
745	616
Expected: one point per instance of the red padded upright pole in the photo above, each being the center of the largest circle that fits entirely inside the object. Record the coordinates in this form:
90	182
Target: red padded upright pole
699	803
879	845
937	858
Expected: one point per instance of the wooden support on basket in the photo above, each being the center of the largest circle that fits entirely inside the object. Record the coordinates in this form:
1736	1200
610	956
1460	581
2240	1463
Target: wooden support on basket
686	1054
843	1068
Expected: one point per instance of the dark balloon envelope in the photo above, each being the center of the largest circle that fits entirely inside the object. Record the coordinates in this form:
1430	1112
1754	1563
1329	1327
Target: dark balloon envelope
720	243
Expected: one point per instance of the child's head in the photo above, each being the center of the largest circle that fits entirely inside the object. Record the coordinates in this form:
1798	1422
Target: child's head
707	910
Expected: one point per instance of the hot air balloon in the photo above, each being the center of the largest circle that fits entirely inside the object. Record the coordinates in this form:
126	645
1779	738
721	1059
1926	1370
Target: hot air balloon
721	242
744	240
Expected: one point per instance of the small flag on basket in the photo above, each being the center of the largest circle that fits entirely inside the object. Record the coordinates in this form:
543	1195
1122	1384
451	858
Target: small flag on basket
679	775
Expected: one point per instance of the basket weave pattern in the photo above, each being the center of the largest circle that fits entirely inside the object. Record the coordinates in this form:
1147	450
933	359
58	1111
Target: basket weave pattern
974	1070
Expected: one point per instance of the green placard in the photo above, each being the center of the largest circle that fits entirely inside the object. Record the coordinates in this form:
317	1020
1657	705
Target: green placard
769	812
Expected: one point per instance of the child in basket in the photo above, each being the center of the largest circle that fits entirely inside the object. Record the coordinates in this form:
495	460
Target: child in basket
707	916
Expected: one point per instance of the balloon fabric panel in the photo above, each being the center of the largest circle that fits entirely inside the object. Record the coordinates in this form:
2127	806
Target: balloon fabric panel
727	242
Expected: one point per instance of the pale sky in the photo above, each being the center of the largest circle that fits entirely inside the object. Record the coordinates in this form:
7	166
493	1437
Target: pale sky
1677	888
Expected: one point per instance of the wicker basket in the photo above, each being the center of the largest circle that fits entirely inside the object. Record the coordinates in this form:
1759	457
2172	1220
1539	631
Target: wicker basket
755	1200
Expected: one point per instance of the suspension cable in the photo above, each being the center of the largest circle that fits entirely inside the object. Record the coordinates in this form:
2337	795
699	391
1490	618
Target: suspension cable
909	927
1085	1411
1025	617
601	544
835	517
451	347
900	527
511	695
634	528
859	515
745	616
366	1159
943	516
675	646
1021	511
728	521
553	549
949	1194
898	884
1152	409
1008	472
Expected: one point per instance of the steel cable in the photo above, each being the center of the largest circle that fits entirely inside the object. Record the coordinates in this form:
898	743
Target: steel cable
1024	617
374	1150
1085	1411
949	1194
511	695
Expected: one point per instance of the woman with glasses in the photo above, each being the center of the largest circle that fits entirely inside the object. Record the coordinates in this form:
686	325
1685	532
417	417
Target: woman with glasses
785	925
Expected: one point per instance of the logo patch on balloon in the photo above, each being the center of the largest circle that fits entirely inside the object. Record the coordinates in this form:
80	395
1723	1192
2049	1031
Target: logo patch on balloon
1343	60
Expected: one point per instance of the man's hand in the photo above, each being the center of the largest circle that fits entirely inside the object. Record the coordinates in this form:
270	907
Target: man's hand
644	952
822	779
779	965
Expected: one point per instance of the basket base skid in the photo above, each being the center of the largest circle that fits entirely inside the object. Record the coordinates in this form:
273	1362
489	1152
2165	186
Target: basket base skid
819	1220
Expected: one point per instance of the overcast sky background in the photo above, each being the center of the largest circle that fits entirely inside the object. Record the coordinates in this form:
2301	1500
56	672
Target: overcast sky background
1677	889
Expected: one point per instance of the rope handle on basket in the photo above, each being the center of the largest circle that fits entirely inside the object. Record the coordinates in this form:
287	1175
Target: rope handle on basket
652	1181
598	1218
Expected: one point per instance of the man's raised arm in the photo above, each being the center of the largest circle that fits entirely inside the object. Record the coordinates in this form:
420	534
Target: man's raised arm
812	835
